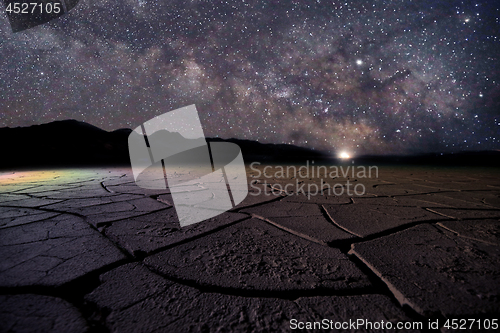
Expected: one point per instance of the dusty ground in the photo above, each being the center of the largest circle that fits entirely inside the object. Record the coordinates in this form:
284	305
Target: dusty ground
88	250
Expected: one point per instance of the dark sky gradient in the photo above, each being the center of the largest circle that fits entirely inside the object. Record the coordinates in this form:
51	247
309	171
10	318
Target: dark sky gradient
380	77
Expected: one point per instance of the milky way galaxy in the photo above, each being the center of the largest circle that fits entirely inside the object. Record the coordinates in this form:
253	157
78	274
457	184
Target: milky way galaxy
384	77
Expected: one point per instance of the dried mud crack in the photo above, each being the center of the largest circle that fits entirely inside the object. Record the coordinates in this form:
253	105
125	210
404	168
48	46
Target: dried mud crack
88	251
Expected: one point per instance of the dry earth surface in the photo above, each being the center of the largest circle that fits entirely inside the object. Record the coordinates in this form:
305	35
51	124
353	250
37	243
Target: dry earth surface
87	250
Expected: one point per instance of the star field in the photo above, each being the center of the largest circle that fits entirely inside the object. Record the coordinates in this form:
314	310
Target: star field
383	77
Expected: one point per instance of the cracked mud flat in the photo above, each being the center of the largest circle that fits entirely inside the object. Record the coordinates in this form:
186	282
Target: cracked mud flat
87	250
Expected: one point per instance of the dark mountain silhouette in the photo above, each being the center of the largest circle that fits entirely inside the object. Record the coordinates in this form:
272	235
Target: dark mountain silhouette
62	143
171	143
71	143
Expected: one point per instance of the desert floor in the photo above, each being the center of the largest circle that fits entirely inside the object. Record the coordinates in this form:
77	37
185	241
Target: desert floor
88	250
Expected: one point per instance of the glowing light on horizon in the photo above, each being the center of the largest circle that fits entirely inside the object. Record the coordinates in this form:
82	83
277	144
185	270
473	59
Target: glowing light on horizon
344	155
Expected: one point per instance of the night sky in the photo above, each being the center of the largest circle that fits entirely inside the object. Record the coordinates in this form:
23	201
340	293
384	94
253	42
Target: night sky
383	77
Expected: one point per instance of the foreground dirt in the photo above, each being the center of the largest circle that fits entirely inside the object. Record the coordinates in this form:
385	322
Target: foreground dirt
88	250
